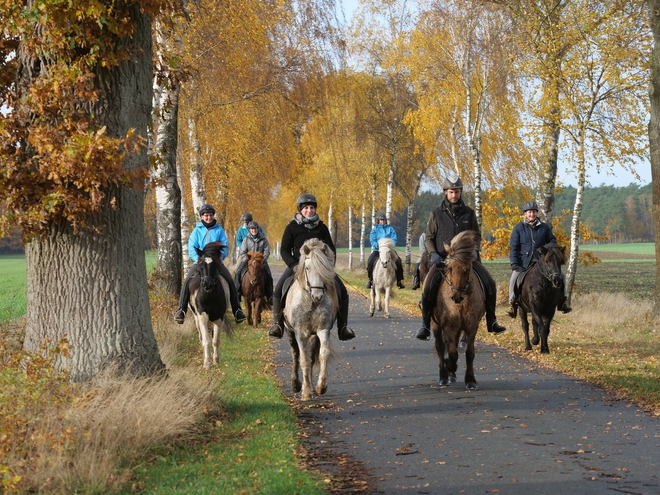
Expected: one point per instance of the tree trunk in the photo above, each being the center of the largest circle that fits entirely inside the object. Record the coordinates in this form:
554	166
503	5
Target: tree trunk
545	192
350	238
168	195
409	226
575	224
654	136
90	287
363	230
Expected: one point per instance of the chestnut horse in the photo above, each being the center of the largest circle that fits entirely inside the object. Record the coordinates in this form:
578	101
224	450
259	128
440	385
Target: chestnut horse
253	287
460	305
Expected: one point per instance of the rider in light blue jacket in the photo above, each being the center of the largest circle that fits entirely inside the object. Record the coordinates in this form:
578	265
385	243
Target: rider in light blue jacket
381	230
208	230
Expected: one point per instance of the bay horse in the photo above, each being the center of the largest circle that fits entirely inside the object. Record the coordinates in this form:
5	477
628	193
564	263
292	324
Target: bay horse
253	287
208	300
384	277
460	305
540	291
309	313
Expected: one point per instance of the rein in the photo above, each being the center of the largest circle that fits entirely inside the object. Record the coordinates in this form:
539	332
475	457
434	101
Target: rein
446	279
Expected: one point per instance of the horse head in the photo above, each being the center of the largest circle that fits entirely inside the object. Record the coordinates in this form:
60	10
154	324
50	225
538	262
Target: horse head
385	251
255	261
317	267
552	258
209	262
458	268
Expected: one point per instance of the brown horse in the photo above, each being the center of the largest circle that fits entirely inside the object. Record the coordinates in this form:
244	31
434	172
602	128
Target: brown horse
542	288
253	287
460	305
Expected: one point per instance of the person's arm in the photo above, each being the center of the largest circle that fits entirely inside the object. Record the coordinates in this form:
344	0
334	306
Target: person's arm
192	244
431	232
550	235
514	249
242	253
286	249
393	235
222	237
373	239
266	249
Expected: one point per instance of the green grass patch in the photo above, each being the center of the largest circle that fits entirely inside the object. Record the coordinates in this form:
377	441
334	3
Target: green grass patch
13	288
647	248
253	449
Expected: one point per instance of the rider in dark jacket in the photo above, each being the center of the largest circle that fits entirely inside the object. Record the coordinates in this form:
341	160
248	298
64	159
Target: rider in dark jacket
526	237
447	220
306	225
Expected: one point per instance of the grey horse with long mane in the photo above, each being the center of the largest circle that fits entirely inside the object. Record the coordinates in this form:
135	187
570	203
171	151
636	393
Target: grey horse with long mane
309	314
383	278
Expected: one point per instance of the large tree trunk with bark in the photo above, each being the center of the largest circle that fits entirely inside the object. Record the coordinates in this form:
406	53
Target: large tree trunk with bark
654	136
92	287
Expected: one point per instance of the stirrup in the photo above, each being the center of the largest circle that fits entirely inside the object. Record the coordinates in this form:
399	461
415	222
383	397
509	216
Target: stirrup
496	328
276	331
239	316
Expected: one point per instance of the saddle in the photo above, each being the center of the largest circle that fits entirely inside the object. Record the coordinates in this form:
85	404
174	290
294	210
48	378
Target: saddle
520	279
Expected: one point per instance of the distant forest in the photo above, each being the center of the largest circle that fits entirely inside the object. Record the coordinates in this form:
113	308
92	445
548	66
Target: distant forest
623	214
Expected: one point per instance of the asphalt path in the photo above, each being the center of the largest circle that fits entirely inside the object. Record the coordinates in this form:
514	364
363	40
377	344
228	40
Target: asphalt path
527	430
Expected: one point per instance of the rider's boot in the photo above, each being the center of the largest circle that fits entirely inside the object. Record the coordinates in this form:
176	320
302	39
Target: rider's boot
563	305
343	331
399	284
492	324
276	329
179	316
369	284
415	280
425	331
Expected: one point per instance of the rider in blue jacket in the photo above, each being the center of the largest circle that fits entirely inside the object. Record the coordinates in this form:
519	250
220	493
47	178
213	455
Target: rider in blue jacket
526	238
208	230
380	231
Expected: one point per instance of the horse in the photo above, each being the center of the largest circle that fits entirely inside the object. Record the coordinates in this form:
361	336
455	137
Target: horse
460	305
540	291
424	267
310	310
208	300
384	277
253	287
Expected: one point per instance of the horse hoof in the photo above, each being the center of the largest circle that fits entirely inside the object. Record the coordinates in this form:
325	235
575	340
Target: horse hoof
371	314
471	386
452	378
322	391
296	386
386	316
535	341
444	382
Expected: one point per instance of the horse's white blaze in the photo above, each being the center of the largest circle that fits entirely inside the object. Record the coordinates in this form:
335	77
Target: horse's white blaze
208	260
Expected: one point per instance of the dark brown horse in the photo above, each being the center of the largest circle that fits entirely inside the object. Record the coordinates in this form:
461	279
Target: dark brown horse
253	287
460	305
540	292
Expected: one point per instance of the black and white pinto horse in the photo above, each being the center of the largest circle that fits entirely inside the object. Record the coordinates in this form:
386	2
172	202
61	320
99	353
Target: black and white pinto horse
208	300
309	313
384	277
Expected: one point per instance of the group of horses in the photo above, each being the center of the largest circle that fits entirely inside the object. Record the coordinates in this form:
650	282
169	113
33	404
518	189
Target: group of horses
311	304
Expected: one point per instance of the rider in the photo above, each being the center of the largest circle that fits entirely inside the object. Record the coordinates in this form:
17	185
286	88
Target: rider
306	225
207	230
447	220
254	241
242	231
416	273
381	230
526	237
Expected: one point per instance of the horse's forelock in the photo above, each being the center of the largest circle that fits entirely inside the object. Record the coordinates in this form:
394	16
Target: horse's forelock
463	245
321	261
558	251
386	242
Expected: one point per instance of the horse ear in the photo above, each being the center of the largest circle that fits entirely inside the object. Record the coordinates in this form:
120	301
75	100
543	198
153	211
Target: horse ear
447	247
563	249
543	250
305	250
199	251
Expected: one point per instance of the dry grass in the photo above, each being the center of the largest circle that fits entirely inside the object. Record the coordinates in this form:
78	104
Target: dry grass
595	309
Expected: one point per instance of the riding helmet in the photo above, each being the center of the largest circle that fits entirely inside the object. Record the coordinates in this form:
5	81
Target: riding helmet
206	209
253	225
530	205
452	181
247	217
306	199
381	216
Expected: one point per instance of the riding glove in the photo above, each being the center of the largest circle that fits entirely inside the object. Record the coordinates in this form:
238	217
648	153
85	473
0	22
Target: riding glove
436	259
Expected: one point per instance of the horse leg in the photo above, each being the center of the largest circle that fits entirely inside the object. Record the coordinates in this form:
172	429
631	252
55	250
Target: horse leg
470	380
525	328
445	378
537	325
324	357
248	308
386	302
216	341
257	311
203	328
295	363
372	301
306	363
545	332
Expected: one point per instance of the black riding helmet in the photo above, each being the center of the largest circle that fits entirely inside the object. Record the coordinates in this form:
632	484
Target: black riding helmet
253	225
306	199
381	216
247	217
530	205
206	209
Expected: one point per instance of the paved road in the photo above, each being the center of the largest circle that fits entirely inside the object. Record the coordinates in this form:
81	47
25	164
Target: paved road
526	430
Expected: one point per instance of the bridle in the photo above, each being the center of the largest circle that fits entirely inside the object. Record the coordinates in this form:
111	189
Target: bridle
446	279
546	273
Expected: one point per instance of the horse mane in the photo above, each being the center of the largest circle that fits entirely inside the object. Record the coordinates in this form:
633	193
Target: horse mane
389	243
322	260
558	251
463	245
213	249
256	255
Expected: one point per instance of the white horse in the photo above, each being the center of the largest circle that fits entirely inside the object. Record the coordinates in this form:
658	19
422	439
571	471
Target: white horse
208	301
384	277
309	313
